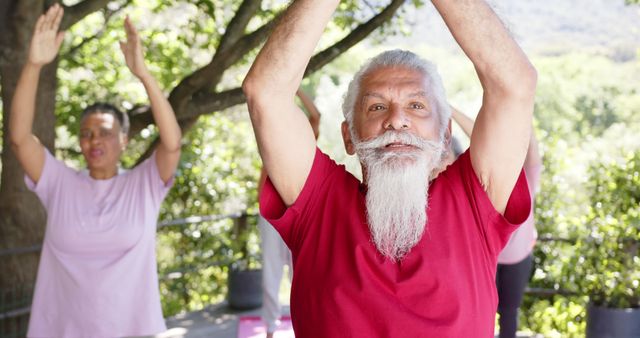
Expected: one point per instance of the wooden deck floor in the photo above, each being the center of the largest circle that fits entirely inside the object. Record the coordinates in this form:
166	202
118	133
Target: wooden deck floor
219	321
215	321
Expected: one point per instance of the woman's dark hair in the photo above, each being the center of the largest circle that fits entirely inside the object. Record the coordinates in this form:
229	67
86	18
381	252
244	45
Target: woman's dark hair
106	108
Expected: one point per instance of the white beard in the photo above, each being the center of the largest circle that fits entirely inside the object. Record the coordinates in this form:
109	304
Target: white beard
397	190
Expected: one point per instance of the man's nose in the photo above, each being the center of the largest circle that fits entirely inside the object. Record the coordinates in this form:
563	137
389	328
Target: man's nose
397	119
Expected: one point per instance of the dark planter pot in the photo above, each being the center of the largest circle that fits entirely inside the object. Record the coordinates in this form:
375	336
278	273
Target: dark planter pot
605	322
245	289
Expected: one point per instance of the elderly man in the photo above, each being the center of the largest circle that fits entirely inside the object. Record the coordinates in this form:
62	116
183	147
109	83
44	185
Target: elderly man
401	254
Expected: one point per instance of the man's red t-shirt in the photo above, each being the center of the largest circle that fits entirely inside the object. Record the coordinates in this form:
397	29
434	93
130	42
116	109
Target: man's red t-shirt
343	287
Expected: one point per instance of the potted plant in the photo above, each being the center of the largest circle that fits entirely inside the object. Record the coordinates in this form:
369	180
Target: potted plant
245	273
607	267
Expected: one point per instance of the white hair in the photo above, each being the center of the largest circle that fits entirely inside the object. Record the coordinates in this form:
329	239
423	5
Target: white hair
406	59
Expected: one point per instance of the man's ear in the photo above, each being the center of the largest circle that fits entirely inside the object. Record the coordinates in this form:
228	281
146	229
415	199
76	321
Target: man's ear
447	136
346	137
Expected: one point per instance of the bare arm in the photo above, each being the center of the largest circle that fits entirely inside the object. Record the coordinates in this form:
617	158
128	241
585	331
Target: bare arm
464	121
168	152
501	134
533	154
466	124
314	113
45	44
285	139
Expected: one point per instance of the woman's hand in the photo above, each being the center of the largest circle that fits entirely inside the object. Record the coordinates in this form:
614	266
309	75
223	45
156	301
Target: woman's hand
132	51
46	40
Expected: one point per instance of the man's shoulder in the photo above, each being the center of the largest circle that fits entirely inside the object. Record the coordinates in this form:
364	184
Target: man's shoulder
456	170
332	173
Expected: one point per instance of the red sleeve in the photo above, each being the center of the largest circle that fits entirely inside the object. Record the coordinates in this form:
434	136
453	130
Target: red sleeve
496	227
288	221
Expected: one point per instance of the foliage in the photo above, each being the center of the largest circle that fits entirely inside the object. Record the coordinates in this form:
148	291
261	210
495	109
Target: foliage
583	117
558	317
608	253
218	175
180	38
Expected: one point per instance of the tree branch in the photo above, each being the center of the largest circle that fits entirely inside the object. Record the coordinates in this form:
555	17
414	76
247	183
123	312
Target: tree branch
107	17
212	72
206	104
209	75
77	12
139	118
236	27
202	105
4	31
362	31
150	149
225	59
203	102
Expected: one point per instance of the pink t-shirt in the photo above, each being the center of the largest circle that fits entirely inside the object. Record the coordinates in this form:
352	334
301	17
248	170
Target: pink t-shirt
444	287
523	239
97	275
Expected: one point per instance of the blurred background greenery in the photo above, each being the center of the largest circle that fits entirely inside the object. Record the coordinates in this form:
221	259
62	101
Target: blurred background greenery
585	118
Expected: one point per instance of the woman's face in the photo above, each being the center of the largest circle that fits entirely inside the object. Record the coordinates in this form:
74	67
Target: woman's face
102	143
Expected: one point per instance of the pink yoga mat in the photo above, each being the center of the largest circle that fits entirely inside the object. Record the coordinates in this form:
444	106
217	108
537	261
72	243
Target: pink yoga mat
253	327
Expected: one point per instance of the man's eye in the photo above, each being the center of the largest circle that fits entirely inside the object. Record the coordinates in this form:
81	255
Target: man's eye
416	105
85	134
376	107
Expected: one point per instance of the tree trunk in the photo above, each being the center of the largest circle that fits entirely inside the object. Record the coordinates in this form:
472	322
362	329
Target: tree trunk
22	217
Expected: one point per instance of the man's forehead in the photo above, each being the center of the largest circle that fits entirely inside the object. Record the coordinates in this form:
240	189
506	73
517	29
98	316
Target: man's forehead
418	93
393	72
397	77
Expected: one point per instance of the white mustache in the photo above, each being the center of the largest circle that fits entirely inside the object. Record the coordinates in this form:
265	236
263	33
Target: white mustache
390	137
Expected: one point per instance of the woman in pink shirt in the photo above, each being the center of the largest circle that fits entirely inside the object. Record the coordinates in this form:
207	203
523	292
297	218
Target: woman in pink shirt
516	259
97	275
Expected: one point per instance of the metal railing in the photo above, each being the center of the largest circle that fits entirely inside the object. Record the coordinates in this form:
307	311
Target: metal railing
181	221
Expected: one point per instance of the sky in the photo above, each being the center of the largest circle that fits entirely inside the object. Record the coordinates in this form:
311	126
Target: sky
549	26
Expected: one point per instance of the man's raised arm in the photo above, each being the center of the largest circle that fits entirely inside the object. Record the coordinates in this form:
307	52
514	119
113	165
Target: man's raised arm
285	139
501	133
